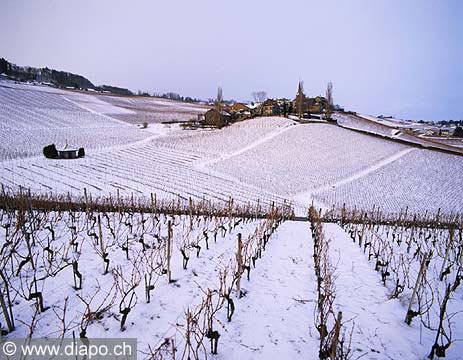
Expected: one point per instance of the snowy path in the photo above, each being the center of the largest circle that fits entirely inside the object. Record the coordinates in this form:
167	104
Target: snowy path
307	197
380	331
79	104
366	171
275	319
244	149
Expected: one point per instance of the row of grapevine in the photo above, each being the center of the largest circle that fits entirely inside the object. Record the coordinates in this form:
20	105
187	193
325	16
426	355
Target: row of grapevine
333	341
79	266
420	263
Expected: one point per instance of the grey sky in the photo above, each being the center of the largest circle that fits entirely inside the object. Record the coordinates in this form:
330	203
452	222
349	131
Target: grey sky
384	57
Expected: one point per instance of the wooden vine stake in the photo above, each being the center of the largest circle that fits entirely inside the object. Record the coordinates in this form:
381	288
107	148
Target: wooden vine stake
169	250
362	234
85	197
409	316
154	204
100	233
337	330
230	209
5	307
191	213
460	260
239	261
6	314
449	245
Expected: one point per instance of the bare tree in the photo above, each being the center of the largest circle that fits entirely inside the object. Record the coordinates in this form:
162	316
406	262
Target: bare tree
329	101
259	96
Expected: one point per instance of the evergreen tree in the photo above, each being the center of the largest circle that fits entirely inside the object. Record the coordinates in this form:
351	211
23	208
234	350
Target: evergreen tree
329	101
458	132
301	100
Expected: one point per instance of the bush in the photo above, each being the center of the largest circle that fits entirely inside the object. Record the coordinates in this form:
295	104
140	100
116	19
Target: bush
145	125
81	152
50	151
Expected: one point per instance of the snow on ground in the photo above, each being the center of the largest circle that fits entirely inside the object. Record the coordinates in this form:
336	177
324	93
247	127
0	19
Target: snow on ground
164	161
266	159
141	171
306	157
153	110
368	125
455	142
358	123
228	141
96	104
421	180
379	328
31	86
275	318
391	122
32	119
357	175
262	158
148	322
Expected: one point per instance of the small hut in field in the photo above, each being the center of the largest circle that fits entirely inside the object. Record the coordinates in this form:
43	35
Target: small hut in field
68	154
50	152
217	118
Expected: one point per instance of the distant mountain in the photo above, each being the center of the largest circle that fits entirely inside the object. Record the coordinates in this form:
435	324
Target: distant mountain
60	79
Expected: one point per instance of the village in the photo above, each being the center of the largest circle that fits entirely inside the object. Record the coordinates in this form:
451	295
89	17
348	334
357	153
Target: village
305	109
301	108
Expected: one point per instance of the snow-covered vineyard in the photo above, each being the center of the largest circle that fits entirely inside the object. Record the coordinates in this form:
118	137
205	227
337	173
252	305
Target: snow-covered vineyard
264	158
223	287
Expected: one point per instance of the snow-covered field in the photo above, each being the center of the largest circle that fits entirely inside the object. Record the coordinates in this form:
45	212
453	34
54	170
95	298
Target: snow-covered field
263	159
153	110
141	171
392	130
392	122
228	141
374	127
306	157
32	118
421	180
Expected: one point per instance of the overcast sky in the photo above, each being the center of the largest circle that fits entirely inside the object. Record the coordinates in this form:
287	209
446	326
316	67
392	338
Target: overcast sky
401	58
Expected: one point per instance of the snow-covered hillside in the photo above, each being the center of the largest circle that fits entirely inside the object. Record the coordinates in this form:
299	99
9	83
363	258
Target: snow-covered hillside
263	158
33	118
153	110
306	157
421	180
